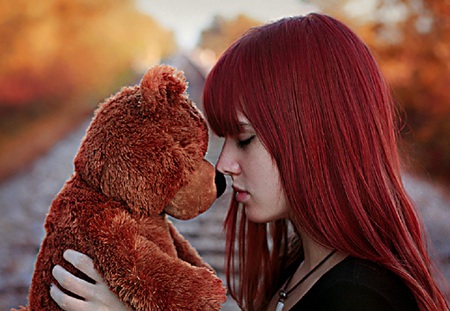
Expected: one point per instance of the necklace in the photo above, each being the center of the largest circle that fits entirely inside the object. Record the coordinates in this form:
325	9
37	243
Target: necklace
284	293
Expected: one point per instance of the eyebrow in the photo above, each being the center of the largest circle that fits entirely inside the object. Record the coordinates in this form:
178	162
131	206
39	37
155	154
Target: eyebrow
245	124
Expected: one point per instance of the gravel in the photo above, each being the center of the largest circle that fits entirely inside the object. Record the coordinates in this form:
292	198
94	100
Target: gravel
26	197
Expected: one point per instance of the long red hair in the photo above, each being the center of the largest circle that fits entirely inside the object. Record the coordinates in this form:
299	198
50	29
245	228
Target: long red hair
319	103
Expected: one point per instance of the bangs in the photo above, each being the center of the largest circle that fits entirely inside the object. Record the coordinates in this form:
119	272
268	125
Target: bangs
224	95
246	79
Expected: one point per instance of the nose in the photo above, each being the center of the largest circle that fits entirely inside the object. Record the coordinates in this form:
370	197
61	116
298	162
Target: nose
227	163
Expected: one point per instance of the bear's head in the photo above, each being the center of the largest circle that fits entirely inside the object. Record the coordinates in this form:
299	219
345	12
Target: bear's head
146	146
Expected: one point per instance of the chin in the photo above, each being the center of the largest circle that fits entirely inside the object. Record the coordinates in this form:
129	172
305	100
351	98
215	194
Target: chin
260	218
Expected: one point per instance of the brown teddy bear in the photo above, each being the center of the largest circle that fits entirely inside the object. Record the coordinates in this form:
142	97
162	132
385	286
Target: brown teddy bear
141	159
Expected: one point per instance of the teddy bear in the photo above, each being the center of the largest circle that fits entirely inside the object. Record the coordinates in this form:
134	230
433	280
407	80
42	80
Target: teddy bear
142	159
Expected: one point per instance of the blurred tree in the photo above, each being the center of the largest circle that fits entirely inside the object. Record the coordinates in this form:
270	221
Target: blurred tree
58	59
223	32
411	40
54	50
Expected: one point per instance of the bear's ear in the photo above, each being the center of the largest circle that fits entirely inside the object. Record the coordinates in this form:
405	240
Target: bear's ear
163	84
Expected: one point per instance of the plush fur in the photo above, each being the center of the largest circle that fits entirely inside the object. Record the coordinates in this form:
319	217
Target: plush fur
142	158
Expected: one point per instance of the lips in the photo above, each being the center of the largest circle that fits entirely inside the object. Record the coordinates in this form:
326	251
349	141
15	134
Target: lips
240	194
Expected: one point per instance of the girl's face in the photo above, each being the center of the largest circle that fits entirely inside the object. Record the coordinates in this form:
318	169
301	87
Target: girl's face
256	179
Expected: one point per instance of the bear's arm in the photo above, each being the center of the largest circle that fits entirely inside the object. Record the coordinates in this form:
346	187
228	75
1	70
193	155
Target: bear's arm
185	250
145	276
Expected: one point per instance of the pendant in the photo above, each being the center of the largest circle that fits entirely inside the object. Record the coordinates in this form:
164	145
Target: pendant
280	306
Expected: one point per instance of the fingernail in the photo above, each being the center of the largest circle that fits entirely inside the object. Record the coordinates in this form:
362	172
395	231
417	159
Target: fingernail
55	269
67	253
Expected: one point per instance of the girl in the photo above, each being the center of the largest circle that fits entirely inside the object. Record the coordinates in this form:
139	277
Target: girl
320	219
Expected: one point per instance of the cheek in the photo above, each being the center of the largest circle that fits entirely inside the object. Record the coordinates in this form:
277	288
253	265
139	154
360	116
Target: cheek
284	205
271	188
278	195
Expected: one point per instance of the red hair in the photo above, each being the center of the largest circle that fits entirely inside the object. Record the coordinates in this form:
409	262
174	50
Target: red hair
319	103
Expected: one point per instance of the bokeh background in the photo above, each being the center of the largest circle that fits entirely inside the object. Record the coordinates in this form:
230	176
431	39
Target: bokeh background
59	59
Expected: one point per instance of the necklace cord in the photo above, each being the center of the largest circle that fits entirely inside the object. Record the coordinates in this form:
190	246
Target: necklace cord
284	294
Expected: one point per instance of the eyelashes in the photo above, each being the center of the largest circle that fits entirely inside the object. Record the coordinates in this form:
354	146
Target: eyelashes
244	143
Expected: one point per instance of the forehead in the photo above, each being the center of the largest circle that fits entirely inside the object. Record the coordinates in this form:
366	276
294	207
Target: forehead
244	123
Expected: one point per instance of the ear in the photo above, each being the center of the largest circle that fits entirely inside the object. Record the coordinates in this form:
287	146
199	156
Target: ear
162	84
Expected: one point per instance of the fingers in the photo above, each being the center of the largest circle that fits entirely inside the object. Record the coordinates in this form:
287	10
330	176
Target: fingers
97	296
82	263
65	301
73	284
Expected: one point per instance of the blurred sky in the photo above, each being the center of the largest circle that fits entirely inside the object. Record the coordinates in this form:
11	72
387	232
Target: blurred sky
188	17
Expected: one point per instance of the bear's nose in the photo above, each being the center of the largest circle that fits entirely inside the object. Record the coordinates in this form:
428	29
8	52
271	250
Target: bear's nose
221	183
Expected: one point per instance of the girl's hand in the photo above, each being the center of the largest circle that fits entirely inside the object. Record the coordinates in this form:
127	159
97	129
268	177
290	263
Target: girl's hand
97	296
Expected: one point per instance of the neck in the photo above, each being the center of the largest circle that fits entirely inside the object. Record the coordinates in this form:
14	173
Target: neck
313	251
316	263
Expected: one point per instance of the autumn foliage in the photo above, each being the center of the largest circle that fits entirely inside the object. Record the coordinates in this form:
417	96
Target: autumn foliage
224	31
59	58
54	53
54	49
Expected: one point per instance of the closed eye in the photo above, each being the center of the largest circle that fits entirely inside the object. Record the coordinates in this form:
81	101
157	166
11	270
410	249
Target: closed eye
243	143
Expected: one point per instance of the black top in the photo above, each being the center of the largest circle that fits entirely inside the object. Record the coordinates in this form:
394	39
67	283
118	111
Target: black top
357	285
